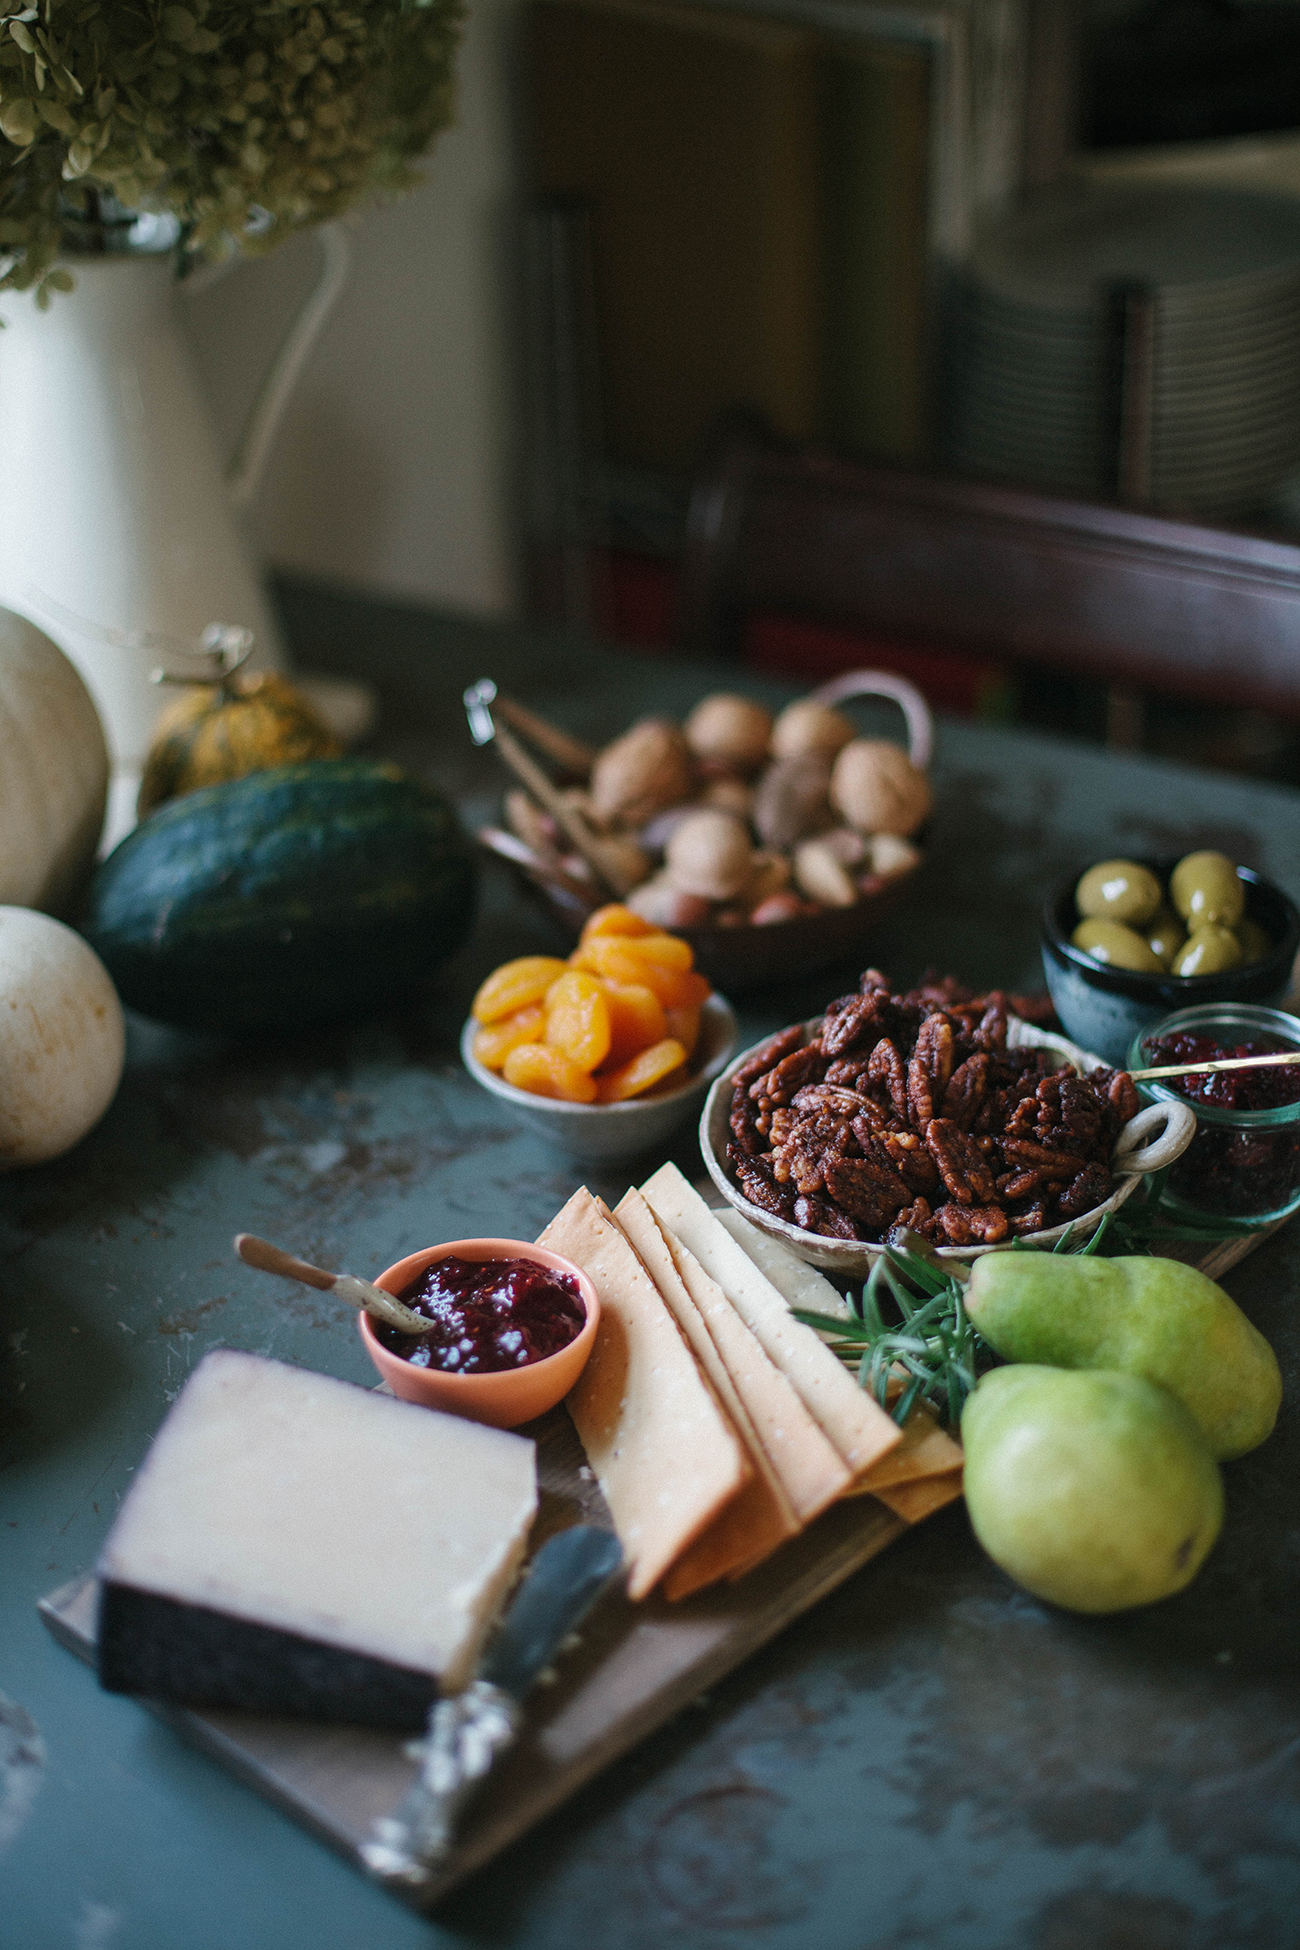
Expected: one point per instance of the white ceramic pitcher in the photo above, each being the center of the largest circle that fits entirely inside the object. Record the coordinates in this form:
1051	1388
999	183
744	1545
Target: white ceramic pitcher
117	528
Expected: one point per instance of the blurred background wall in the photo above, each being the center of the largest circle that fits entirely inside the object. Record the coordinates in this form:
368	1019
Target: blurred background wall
394	470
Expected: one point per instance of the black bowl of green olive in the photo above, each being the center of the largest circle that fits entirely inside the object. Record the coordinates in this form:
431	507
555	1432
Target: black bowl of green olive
1125	941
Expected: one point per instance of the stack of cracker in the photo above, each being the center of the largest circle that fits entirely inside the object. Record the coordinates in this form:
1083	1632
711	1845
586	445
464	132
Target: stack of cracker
716	1424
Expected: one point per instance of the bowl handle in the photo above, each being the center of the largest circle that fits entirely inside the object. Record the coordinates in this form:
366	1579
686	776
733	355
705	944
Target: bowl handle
1137	1149
885	683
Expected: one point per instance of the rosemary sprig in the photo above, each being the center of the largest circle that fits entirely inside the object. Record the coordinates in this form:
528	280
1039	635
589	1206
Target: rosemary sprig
932	1346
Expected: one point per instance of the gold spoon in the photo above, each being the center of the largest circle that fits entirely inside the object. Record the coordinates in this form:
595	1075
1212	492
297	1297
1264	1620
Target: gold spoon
358	1293
1222	1063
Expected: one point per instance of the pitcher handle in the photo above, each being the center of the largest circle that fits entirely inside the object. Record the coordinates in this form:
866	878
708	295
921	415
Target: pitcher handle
249	458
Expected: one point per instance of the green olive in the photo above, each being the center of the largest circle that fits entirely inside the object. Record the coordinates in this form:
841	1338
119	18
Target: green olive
1255	944
1115	945
1118	890
1209	950
1204	887
1165	936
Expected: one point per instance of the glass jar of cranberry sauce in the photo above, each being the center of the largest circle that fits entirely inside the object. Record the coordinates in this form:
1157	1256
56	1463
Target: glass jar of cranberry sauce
1243	1165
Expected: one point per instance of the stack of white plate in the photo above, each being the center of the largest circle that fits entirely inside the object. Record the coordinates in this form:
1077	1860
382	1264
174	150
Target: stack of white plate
1033	364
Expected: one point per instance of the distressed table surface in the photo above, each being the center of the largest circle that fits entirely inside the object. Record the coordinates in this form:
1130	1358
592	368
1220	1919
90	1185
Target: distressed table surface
927	1757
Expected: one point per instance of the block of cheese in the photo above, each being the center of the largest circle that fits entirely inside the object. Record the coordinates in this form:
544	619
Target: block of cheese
760	1517
852	1420
296	1545
799	1284
662	1448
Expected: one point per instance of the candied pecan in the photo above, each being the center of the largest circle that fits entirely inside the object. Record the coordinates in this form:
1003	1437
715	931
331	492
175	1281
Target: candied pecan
1036	1219
967	1088
1038	1157
909	1158
873	979
1091	1187
1121	1095
991	1032
768	1054
962	1166
886	1066
972	1225
824	1216
939	992
934	1049
849	1072
779	1085
831	1097
744	1126
852	1025
1081	1112
870	1122
866	1190
1015	1185
758	1185
913	1218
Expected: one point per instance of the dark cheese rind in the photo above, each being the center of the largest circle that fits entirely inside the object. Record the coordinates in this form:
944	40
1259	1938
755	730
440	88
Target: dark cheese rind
162	1648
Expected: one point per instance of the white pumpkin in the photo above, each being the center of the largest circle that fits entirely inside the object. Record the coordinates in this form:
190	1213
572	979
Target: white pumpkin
53	771
62	1038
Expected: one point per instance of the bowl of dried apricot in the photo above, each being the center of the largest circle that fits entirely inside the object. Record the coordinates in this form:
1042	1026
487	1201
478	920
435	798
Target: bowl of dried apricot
606	1053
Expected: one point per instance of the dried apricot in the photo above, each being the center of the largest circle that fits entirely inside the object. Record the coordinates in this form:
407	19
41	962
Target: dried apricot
548	1072
494	1042
612	957
515	985
643	1072
636	1019
577	1018
614	919
667	950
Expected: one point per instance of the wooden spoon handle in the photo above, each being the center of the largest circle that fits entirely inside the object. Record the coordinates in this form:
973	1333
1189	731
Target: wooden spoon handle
357	1293
272	1259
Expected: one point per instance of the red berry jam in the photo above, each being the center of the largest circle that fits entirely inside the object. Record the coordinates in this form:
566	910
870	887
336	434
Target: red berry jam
1239	1172
490	1314
1262	1089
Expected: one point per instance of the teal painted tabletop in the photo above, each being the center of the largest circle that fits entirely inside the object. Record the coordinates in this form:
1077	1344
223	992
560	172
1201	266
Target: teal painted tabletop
928	1758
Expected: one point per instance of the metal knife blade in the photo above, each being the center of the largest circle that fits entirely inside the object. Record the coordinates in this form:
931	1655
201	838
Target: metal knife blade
566	1577
466	1733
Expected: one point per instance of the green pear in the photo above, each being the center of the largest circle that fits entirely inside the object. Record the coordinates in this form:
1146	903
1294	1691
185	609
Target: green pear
1145	1316
1096	1491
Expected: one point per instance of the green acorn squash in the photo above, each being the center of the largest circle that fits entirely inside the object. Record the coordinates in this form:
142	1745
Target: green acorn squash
305	894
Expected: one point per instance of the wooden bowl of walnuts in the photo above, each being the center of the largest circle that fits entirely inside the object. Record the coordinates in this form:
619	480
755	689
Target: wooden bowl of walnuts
773	843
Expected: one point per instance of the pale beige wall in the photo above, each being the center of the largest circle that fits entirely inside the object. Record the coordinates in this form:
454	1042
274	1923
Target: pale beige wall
394	469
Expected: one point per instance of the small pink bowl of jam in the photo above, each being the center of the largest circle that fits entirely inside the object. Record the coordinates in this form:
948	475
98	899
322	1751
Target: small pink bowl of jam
513	1326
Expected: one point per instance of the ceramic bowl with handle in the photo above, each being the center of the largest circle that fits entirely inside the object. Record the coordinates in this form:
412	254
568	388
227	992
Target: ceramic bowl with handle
1154	1138
504	1397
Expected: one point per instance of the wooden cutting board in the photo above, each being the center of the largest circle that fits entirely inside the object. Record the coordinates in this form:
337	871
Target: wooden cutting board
633	1668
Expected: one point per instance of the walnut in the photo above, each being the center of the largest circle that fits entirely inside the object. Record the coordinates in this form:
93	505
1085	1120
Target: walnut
733	731
709	854
876	787
792	802
807	727
645	771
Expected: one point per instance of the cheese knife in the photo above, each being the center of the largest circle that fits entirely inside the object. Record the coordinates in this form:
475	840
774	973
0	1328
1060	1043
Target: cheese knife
467	1732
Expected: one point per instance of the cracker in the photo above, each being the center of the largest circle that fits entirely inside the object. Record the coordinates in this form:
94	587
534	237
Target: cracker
662	1448
850	1418
811	1469
761	1516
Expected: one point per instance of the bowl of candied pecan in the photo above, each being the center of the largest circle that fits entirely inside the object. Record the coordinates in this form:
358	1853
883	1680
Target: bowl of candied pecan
936	1112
